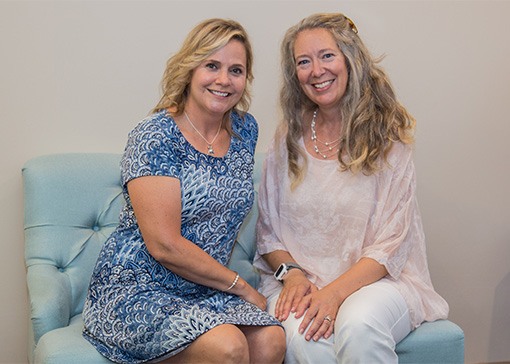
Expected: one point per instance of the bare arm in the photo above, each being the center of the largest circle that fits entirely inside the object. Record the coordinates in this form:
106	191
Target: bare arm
156	202
277	257
363	273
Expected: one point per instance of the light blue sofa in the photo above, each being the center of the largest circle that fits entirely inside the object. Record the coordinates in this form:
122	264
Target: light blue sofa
72	204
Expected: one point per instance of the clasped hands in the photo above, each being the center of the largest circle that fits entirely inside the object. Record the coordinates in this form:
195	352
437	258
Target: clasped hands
301	297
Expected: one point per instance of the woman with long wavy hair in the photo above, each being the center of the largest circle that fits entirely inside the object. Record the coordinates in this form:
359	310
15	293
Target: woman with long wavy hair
340	240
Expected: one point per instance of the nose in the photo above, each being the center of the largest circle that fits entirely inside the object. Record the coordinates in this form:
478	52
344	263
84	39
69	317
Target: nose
223	77
317	69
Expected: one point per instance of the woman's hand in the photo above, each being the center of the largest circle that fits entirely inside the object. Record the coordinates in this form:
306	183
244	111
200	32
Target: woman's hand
256	298
295	287
320	309
249	294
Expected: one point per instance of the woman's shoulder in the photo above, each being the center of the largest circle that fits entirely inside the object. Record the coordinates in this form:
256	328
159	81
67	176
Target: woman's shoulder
158	121
244	116
153	148
154	132
400	155
243	120
400	150
245	127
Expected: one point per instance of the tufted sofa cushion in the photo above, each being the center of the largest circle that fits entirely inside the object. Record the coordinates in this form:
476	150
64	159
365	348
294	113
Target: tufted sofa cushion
72	204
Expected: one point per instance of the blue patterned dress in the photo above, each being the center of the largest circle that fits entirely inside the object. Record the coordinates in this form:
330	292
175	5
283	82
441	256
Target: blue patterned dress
136	309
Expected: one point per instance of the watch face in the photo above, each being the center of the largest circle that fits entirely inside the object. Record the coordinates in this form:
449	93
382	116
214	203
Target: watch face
280	270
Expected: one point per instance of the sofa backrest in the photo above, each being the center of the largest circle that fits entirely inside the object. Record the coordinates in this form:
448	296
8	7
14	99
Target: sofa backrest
72	203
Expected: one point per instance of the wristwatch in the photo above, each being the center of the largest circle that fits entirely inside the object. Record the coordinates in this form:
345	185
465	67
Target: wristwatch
284	268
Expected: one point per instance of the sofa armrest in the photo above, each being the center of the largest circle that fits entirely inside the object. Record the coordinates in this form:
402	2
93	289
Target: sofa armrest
52	308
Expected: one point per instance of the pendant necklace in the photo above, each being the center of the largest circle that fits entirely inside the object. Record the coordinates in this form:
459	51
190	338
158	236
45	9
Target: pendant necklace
329	145
210	149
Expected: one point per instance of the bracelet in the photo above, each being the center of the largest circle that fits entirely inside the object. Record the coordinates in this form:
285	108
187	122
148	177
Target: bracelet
234	282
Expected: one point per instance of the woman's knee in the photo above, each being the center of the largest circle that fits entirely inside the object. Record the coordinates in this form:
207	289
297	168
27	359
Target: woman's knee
234	345
267	344
274	344
300	350
360	341
224	344
360	336
354	327
358	323
274	337
374	311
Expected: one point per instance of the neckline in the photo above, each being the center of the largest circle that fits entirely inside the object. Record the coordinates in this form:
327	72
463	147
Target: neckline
170	117
313	157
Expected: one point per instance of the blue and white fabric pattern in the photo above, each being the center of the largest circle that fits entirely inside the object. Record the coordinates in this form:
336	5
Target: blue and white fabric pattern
137	310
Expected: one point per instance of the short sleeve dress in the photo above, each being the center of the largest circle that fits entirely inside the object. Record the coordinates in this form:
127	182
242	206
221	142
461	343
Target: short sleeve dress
136	309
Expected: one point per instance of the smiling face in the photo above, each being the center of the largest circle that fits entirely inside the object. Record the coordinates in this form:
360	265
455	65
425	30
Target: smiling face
218	83
320	67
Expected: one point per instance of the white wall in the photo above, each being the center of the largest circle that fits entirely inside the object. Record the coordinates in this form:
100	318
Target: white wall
75	76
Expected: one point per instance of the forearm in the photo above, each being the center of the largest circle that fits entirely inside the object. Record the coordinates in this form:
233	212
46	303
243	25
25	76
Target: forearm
192	263
277	257
363	273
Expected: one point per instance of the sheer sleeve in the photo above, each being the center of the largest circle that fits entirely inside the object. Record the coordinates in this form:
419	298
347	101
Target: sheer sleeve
395	228
268	222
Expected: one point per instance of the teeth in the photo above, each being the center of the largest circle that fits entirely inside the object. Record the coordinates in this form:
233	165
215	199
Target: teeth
323	84
223	94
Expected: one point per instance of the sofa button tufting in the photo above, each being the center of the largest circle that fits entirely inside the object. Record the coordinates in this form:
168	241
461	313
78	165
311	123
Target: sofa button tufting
95	228
61	270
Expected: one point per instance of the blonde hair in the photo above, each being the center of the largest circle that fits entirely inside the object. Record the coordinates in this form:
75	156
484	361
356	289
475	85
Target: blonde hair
204	39
372	116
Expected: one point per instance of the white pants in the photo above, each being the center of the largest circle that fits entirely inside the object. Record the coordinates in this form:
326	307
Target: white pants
369	324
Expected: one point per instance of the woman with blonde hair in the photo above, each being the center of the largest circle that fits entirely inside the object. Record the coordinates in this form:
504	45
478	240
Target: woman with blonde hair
161	290
340	239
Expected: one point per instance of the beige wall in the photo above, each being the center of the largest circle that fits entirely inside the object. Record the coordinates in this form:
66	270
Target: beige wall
75	76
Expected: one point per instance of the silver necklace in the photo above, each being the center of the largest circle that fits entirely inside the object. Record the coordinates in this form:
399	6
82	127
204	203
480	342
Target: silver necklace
329	145
210	149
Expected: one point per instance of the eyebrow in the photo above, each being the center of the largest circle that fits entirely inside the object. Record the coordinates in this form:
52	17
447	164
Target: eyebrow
238	65
219	62
321	51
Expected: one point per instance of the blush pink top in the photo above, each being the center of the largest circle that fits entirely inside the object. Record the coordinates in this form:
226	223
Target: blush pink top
334	218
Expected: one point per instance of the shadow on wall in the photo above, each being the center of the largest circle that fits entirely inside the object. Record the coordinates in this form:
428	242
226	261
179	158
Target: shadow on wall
499	338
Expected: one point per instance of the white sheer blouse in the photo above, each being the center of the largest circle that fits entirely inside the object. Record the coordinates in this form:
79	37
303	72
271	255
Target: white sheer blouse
334	218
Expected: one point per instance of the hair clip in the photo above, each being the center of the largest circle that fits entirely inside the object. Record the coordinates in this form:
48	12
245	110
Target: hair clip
352	25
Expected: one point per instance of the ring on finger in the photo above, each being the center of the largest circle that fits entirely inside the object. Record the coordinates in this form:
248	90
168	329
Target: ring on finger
327	318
